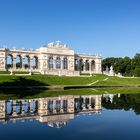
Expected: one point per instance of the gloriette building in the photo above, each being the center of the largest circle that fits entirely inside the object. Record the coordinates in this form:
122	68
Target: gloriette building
54	58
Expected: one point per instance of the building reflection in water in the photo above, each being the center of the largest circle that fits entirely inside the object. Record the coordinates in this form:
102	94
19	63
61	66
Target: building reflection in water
56	111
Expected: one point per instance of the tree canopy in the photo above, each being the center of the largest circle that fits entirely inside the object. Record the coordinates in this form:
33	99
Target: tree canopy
126	66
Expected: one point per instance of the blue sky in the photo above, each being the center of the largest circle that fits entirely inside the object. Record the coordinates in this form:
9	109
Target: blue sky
106	27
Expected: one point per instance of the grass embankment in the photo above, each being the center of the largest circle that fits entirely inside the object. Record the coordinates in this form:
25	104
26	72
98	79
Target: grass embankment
116	81
49	80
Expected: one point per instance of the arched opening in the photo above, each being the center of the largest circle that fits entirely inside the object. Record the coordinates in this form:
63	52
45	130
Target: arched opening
9	108
26	107
76	64
87	65
65	105
50	106
58	106
92	102
78	104
50	63
58	63
65	61
27	62
92	65
18	62
35	62
33	106
81	65
9	61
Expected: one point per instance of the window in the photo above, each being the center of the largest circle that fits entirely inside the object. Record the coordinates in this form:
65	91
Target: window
50	63
65	63
58	63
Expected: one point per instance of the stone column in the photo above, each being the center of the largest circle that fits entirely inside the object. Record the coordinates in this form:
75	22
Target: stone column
98	105
97	64
84	103
62	108
14	108
41	63
62	64
3	60
41	106
84	62
14	63
23	61
30	106
96	67
30	63
89	106
70	63
70	104
90	67
54	106
3	108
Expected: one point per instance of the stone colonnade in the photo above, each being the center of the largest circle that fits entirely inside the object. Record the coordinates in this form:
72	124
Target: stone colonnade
49	106
56	105
21	62
88	65
58	62
86	103
54	60
20	107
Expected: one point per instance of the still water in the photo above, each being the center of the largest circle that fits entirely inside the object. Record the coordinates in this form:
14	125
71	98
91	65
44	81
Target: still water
99	117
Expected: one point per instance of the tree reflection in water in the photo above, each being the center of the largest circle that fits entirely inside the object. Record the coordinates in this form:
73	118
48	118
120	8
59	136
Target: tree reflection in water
123	101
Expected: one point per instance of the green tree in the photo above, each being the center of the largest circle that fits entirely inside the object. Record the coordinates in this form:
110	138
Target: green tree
126	66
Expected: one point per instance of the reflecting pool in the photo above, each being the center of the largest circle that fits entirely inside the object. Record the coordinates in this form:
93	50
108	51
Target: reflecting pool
99	117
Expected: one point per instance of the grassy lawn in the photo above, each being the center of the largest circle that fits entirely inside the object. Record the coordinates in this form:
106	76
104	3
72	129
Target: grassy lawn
49	80
120	81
